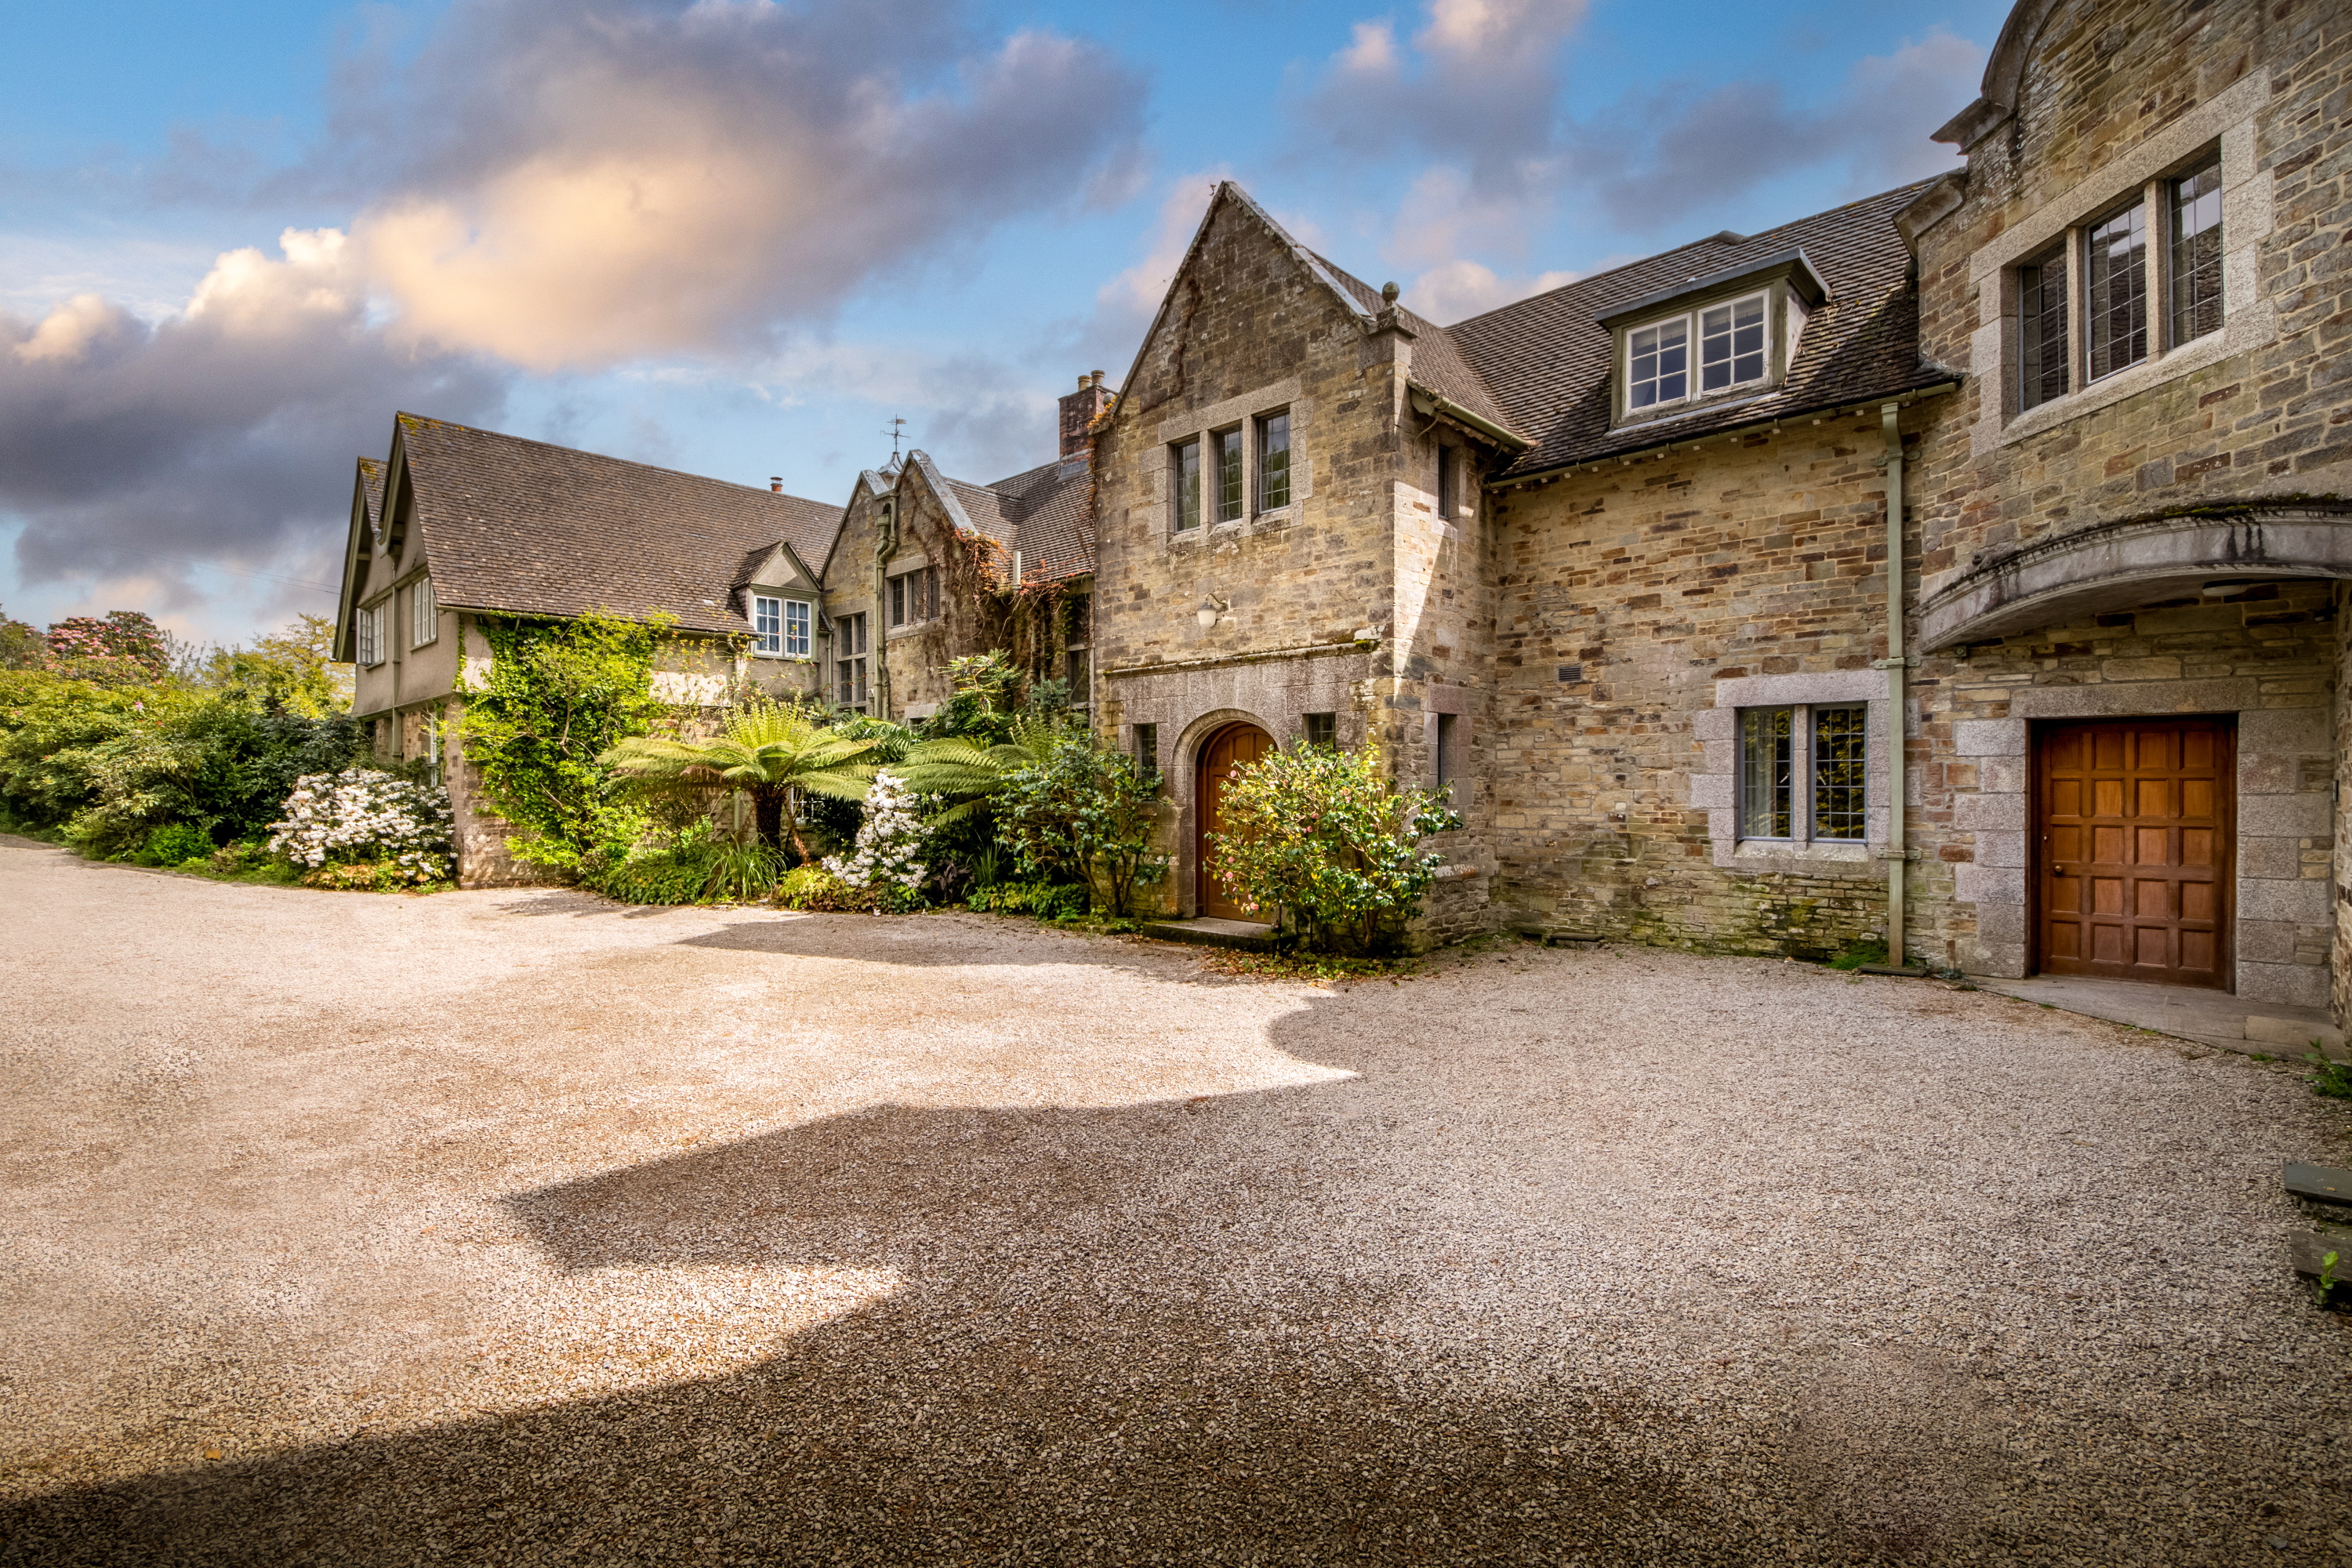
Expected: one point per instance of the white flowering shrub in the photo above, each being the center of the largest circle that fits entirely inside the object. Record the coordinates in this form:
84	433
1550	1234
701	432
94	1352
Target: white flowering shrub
361	816
886	859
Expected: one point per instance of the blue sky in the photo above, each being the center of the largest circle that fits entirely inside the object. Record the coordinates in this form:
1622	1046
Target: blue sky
737	237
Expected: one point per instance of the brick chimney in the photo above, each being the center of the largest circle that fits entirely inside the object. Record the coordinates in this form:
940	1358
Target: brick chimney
1080	409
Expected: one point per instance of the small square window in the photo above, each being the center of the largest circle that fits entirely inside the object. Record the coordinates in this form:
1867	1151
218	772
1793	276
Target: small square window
1449	757
1147	751
1322	728
1185	474
1229	475
1274	462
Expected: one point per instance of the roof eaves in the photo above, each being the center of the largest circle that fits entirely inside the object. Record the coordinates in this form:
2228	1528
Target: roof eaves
1848	404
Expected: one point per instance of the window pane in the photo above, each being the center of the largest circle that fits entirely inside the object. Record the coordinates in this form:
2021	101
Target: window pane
2116	286
796	628
1838	772
1767	773
2041	318
1660	364
1445	482
898	600
768	625
2197	253
1322	729
1229	475
1731	345
1274	462
1147	751
1188	486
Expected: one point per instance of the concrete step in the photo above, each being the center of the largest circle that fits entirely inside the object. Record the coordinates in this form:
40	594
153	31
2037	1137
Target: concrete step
1210	931
2320	1183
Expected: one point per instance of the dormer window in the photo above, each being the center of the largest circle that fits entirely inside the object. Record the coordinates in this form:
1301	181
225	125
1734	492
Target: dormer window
1727	337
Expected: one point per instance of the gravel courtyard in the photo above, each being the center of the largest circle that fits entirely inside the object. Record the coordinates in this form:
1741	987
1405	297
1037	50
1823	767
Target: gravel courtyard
518	1226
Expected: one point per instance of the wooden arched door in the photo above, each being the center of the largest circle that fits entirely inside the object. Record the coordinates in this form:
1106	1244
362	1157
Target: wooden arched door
1234	746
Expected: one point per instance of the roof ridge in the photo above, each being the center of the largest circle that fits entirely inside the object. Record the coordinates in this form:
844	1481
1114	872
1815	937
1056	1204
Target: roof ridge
407	419
1582	278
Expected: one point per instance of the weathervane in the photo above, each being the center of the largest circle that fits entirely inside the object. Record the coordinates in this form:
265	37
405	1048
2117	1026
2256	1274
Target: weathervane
896	430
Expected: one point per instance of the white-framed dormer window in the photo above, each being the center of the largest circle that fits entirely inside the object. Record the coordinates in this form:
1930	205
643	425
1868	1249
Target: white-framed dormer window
779	625
423	613
371	636
1730	339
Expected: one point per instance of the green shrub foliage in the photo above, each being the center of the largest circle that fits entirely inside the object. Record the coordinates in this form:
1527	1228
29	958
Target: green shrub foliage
1081	814
1325	837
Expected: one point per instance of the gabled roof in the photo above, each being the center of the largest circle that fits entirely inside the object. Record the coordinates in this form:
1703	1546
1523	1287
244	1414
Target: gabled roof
1040	513
359	550
528	528
1549	357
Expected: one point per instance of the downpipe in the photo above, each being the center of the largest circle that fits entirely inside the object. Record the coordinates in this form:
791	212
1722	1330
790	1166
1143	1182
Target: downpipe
1898	856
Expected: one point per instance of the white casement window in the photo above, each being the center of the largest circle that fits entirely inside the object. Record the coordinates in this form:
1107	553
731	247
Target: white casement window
1732	351
849	661
371	636
423	613
779	625
1803	772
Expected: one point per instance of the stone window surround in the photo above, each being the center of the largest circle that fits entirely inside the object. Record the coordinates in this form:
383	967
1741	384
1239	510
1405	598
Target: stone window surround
904	563
1715	787
2248	320
1196	423
2270	898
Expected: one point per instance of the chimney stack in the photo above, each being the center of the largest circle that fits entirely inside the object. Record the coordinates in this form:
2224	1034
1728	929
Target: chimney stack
1080	409
776	483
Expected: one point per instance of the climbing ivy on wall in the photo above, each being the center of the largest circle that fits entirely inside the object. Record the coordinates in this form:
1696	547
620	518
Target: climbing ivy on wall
557	696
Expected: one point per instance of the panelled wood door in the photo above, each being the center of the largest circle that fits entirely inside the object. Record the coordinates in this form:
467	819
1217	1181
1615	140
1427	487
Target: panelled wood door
2136	849
1235	745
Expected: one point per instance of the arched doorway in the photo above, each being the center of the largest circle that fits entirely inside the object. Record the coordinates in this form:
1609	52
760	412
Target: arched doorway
1234	746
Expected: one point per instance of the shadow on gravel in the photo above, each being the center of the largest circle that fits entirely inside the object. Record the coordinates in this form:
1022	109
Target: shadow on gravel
951	941
1078	1369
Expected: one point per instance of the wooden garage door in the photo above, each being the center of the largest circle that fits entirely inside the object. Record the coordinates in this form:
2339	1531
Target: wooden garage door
2136	849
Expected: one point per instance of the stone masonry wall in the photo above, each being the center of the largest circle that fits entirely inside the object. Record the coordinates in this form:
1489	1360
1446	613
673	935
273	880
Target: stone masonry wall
1625	597
1357	564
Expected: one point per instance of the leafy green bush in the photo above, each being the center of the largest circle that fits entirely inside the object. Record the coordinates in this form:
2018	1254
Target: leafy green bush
363	876
1046	901
174	844
658	869
1325	837
559	696
814	888
1084	814
108	765
742	872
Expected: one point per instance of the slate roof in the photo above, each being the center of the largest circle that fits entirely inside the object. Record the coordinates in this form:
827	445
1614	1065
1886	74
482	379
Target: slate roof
1547	358
372	488
1040	511
1437	360
529	528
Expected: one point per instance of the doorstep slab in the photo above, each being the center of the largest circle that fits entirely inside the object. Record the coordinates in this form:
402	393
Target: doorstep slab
2209	1017
1210	931
2321	1181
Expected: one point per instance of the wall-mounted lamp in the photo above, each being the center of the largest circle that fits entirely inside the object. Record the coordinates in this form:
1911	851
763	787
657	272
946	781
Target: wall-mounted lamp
1211	609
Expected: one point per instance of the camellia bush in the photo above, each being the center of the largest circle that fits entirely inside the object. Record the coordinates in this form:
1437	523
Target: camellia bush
361	828
1324	837
886	861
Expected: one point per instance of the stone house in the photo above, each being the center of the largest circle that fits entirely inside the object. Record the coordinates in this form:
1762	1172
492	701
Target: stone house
458	526
927	568
1959	568
2070	707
